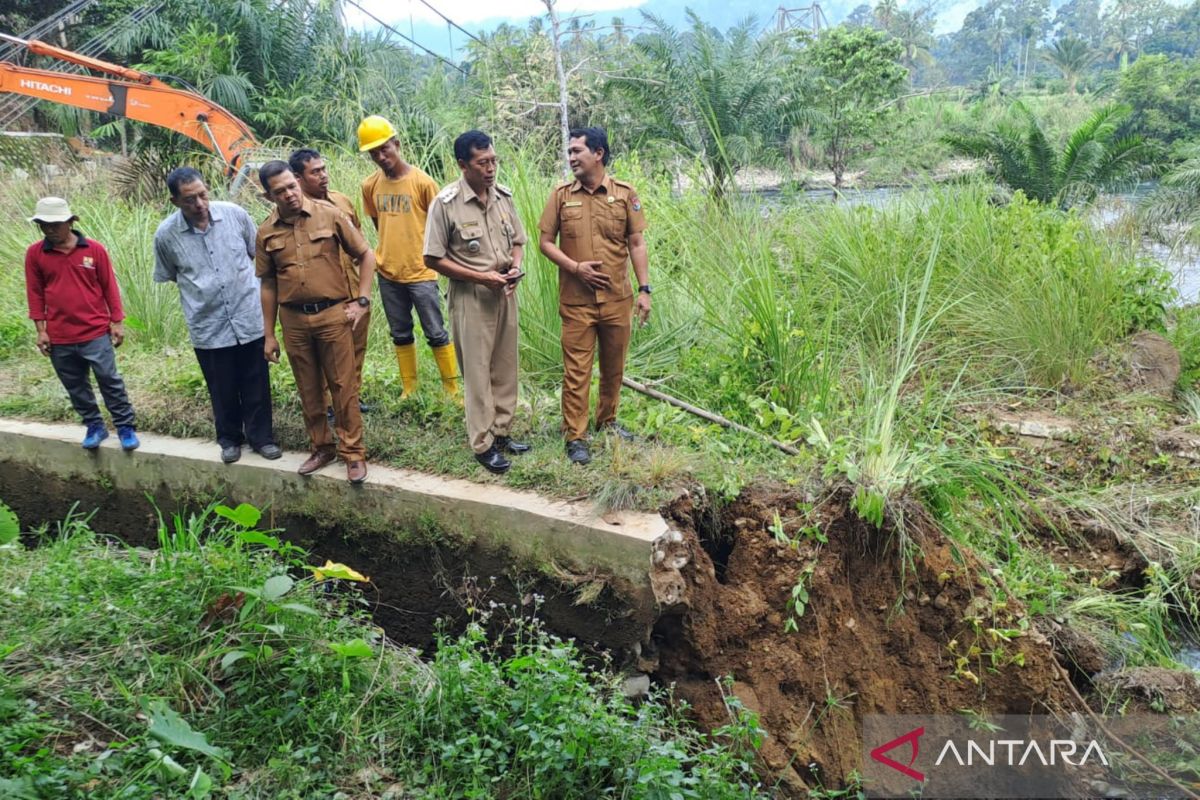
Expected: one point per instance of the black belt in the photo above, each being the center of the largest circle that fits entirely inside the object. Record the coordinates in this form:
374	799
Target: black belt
312	308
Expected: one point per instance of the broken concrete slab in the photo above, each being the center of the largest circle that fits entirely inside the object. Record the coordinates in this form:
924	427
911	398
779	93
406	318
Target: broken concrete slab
1036	424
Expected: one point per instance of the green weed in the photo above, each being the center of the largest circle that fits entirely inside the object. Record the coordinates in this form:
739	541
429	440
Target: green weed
209	668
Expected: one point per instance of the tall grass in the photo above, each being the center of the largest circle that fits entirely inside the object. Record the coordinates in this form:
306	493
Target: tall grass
784	304
126	231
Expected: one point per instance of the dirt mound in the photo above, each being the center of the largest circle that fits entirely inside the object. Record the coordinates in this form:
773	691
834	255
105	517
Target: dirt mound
873	637
1153	364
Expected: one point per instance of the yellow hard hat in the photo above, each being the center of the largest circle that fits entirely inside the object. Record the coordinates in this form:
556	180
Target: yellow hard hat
374	131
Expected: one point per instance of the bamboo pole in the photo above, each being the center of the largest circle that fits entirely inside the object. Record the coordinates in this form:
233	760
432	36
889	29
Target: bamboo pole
708	415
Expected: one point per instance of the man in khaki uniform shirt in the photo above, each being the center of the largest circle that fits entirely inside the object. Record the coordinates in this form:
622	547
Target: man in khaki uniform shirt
598	222
474	237
309	168
298	258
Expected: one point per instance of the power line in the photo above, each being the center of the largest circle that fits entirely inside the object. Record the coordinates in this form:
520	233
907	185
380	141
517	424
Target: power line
413	42
451	22
15	106
7	51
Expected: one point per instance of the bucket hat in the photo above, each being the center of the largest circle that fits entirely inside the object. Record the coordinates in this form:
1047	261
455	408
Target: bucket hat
52	209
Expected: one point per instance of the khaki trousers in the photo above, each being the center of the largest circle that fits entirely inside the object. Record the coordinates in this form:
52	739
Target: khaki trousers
359	335
320	348
360	354
483	323
611	324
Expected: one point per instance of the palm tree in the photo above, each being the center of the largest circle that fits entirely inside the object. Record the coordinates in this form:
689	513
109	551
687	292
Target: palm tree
1176	202
914	29
1022	157
712	96
885	12
1071	56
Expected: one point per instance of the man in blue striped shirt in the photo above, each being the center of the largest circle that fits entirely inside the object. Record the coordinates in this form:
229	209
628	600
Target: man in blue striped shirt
207	248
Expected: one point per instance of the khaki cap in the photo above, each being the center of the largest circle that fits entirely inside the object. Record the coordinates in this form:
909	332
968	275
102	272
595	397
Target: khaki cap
52	209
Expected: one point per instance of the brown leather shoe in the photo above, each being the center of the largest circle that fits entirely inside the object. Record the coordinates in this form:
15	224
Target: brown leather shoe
356	471
316	461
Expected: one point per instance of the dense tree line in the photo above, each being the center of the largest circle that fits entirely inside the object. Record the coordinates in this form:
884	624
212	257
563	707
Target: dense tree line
682	96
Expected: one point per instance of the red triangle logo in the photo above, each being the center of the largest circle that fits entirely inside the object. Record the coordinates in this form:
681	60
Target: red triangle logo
912	738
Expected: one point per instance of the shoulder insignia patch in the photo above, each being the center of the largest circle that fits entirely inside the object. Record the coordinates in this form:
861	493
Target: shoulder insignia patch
449	193
504	190
635	202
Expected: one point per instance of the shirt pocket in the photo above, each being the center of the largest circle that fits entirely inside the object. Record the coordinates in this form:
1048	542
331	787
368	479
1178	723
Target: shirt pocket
280	254
322	244
615	220
469	238
572	222
236	250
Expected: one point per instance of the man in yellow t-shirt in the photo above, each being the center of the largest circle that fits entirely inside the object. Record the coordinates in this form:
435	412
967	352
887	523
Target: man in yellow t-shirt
397	199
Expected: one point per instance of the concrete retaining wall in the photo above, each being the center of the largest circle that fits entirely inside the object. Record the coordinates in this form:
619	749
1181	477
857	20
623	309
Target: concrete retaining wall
521	531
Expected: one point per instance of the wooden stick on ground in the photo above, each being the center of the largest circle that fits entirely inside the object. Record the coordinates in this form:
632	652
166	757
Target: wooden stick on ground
708	415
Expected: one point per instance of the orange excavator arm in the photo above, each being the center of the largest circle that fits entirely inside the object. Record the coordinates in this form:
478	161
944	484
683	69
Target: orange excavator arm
134	95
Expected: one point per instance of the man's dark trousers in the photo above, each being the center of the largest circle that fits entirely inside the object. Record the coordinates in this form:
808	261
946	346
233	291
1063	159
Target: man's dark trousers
240	389
73	362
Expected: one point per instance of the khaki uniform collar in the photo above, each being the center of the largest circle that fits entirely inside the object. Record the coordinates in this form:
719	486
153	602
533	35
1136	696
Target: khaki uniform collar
468	194
306	210
605	184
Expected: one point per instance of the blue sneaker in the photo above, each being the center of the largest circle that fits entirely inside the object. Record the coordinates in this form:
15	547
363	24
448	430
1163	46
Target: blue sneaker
129	440
96	433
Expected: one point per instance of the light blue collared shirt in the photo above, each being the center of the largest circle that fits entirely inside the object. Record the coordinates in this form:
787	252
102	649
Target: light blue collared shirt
214	270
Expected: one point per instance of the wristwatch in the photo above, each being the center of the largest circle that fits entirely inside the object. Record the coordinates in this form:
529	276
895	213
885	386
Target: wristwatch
644	288
363	301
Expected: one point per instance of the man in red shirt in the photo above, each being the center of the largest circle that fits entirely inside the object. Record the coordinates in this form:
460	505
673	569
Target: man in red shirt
76	305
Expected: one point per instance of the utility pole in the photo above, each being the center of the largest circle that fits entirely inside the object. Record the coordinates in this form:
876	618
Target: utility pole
564	120
810	17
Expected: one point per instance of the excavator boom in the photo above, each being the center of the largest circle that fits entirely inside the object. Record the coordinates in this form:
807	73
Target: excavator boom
138	97
42	49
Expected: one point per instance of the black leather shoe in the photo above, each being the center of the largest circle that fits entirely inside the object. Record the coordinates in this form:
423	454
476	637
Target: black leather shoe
615	429
363	408
506	444
231	453
269	451
577	452
493	460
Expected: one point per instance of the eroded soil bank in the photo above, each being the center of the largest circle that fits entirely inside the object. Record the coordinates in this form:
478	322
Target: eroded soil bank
876	635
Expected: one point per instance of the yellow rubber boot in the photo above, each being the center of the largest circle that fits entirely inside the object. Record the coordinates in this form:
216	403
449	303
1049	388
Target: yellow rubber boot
406	357
447	362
